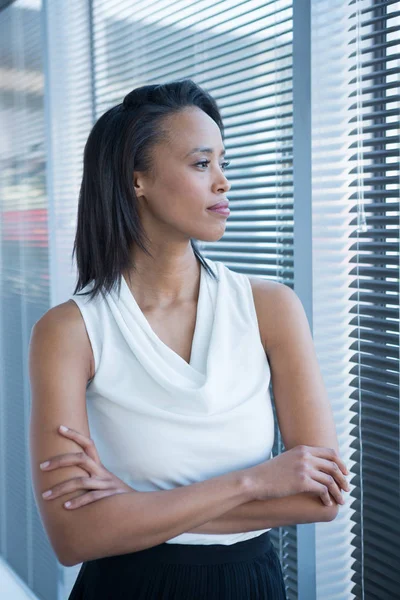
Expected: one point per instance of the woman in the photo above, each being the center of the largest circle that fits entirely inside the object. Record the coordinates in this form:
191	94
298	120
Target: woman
159	364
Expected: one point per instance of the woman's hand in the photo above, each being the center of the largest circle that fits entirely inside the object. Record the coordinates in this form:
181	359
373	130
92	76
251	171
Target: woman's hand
100	479
301	469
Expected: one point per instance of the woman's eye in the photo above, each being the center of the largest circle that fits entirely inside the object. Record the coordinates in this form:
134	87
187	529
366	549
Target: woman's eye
206	162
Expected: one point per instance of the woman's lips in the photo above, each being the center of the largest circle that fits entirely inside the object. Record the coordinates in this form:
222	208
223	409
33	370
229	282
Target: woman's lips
220	208
222	211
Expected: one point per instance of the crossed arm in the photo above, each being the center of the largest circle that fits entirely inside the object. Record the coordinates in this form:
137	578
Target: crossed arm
275	512
303	412
301	403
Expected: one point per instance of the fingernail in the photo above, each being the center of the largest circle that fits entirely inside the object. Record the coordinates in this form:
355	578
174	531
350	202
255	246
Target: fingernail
46	494
67	504
63	428
45	464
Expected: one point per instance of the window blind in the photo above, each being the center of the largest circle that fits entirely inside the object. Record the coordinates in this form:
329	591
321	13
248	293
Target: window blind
45	117
241	52
374	326
24	285
69	119
355	109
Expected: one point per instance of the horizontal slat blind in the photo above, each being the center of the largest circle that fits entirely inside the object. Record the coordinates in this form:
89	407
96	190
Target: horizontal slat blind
69	117
45	117
356	277
331	265
24	285
241	52
374	208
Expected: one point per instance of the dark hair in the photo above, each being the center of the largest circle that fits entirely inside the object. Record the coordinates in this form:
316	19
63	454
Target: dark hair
120	142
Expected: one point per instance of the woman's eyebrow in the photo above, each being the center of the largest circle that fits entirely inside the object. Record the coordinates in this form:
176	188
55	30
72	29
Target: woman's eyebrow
205	149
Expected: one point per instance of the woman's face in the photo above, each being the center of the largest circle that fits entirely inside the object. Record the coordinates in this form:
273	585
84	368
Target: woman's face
186	182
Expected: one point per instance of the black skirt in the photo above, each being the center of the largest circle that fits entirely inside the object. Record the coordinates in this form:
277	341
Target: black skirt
248	570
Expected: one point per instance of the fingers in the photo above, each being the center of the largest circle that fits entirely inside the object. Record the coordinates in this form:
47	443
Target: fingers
78	483
334	456
326	470
328	454
324	495
331	467
75	458
84	441
89	459
90	497
330	485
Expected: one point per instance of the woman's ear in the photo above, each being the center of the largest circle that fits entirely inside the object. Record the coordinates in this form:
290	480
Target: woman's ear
138	184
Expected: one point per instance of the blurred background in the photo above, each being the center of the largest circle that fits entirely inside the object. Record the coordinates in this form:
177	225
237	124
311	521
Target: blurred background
310	97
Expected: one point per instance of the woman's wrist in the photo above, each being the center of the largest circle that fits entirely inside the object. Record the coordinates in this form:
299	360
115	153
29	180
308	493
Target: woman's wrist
248	485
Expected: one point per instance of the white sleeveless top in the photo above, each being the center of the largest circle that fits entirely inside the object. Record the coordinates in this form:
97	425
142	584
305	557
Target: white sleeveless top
159	422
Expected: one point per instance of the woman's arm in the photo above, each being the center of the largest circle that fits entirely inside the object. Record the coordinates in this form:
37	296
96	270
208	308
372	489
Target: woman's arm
274	512
59	366
301	401
302	407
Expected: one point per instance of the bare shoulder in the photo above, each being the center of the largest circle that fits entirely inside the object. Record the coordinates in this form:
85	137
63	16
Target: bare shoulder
61	330
274	302
66	314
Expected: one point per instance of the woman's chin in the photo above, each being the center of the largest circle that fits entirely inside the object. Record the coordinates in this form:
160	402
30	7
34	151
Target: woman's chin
211	235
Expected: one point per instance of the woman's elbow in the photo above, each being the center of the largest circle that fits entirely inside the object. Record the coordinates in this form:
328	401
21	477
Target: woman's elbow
331	512
59	529
65	555
68	560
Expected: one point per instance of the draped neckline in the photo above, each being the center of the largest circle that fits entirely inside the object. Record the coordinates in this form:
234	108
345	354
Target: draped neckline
131	303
